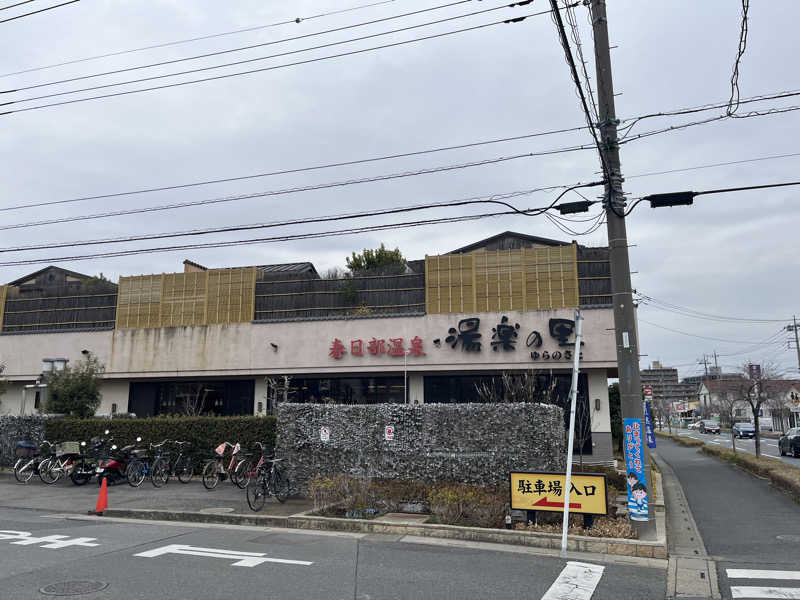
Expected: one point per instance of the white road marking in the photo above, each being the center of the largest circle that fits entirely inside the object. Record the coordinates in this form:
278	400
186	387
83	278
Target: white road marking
576	582
52	542
765	592
771	444
242	559
761	574
717	443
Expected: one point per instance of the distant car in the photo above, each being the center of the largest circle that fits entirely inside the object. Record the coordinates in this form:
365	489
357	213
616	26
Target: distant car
790	443
695	425
744	430
708	427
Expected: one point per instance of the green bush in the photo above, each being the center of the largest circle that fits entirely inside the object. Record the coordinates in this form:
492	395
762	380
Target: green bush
204	433
461	504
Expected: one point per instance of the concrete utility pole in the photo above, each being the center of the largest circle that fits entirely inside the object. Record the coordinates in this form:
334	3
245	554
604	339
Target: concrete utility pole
796	340
630	386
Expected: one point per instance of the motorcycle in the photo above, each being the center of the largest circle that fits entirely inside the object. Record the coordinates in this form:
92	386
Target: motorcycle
114	469
84	465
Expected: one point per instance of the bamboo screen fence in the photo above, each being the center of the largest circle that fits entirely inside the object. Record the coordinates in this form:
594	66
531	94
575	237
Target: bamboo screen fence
194	298
539	278
90	305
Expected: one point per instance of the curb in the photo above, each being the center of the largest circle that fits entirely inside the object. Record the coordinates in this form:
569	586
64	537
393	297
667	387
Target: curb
615	546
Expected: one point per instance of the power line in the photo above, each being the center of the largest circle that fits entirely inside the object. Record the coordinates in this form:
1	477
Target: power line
225	199
576	38
251	71
712	165
704	108
733	103
498	198
705	315
562	36
702	337
283	238
17	4
194	39
360	161
41	10
250	47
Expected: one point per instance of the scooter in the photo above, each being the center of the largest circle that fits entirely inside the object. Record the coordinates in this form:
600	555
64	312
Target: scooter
114	469
84	466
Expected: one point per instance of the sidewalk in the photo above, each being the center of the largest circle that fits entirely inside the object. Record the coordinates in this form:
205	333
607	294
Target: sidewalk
64	497
743	521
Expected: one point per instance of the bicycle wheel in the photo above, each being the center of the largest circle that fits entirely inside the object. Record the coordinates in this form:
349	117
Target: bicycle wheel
135	473
47	473
160	473
184	470
280	485
211	475
257	494
23	470
243	473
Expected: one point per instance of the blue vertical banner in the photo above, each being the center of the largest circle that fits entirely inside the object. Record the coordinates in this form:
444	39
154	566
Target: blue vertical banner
637	479
648	426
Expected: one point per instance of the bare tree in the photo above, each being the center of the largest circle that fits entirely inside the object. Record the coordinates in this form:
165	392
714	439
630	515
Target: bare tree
522	387
194	402
757	386
727	403
279	389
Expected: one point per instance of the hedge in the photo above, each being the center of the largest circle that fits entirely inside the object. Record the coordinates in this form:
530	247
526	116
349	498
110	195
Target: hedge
781	475
204	433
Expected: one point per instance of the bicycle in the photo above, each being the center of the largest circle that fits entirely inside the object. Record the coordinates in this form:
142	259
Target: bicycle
28	460
215	471
141	468
269	480
60	461
180	468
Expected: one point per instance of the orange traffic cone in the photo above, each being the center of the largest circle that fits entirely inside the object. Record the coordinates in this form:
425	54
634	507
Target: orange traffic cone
102	499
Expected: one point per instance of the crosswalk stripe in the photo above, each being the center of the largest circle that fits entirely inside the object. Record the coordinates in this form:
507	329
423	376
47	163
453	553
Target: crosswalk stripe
576	582
760	574
765	592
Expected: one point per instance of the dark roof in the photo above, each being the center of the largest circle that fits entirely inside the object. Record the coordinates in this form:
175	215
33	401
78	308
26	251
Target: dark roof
303	267
510	239
49	268
194	264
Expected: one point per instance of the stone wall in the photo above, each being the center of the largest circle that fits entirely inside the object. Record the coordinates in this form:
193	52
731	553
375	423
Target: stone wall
466	443
14	429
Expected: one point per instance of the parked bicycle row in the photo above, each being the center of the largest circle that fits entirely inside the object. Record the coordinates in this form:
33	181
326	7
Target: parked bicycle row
258	473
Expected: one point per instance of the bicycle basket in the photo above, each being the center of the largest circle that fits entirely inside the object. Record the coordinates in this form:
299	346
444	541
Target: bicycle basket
68	448
25	449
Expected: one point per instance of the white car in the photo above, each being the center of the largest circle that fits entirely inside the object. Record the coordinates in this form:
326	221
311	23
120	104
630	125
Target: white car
694	425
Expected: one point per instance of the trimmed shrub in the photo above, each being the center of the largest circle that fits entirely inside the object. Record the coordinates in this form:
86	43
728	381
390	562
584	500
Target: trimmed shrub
460	504
204	433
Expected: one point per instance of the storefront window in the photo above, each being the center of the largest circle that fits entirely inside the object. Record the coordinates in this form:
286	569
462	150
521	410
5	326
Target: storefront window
348	390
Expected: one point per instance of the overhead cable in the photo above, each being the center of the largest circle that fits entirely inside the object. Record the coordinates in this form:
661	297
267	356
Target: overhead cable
348	163
279	192
41	10
251	47
194	39
247	72
490	199
733	103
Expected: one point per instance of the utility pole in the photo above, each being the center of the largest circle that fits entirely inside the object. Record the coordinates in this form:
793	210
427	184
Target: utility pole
630	385
716	365
796	339
705	364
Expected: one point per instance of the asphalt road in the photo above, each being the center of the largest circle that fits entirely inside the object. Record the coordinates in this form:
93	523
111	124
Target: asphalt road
751	529
769	446
143	560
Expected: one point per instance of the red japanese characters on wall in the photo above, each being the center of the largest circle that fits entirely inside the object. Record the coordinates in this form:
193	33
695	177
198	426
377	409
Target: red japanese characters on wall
377	347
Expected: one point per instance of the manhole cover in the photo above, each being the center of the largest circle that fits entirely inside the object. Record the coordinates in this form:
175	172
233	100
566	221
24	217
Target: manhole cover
73	588
789	538
219	510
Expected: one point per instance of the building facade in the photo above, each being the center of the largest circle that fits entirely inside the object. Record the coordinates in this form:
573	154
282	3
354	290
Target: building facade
236	341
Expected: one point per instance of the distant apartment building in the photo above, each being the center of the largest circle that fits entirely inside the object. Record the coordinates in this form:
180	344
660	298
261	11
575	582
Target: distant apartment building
668	391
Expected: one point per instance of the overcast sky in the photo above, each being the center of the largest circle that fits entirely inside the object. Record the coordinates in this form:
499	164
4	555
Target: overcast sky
733	255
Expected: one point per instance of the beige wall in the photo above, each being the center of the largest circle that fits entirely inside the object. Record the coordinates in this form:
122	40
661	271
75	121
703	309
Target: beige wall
303	347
